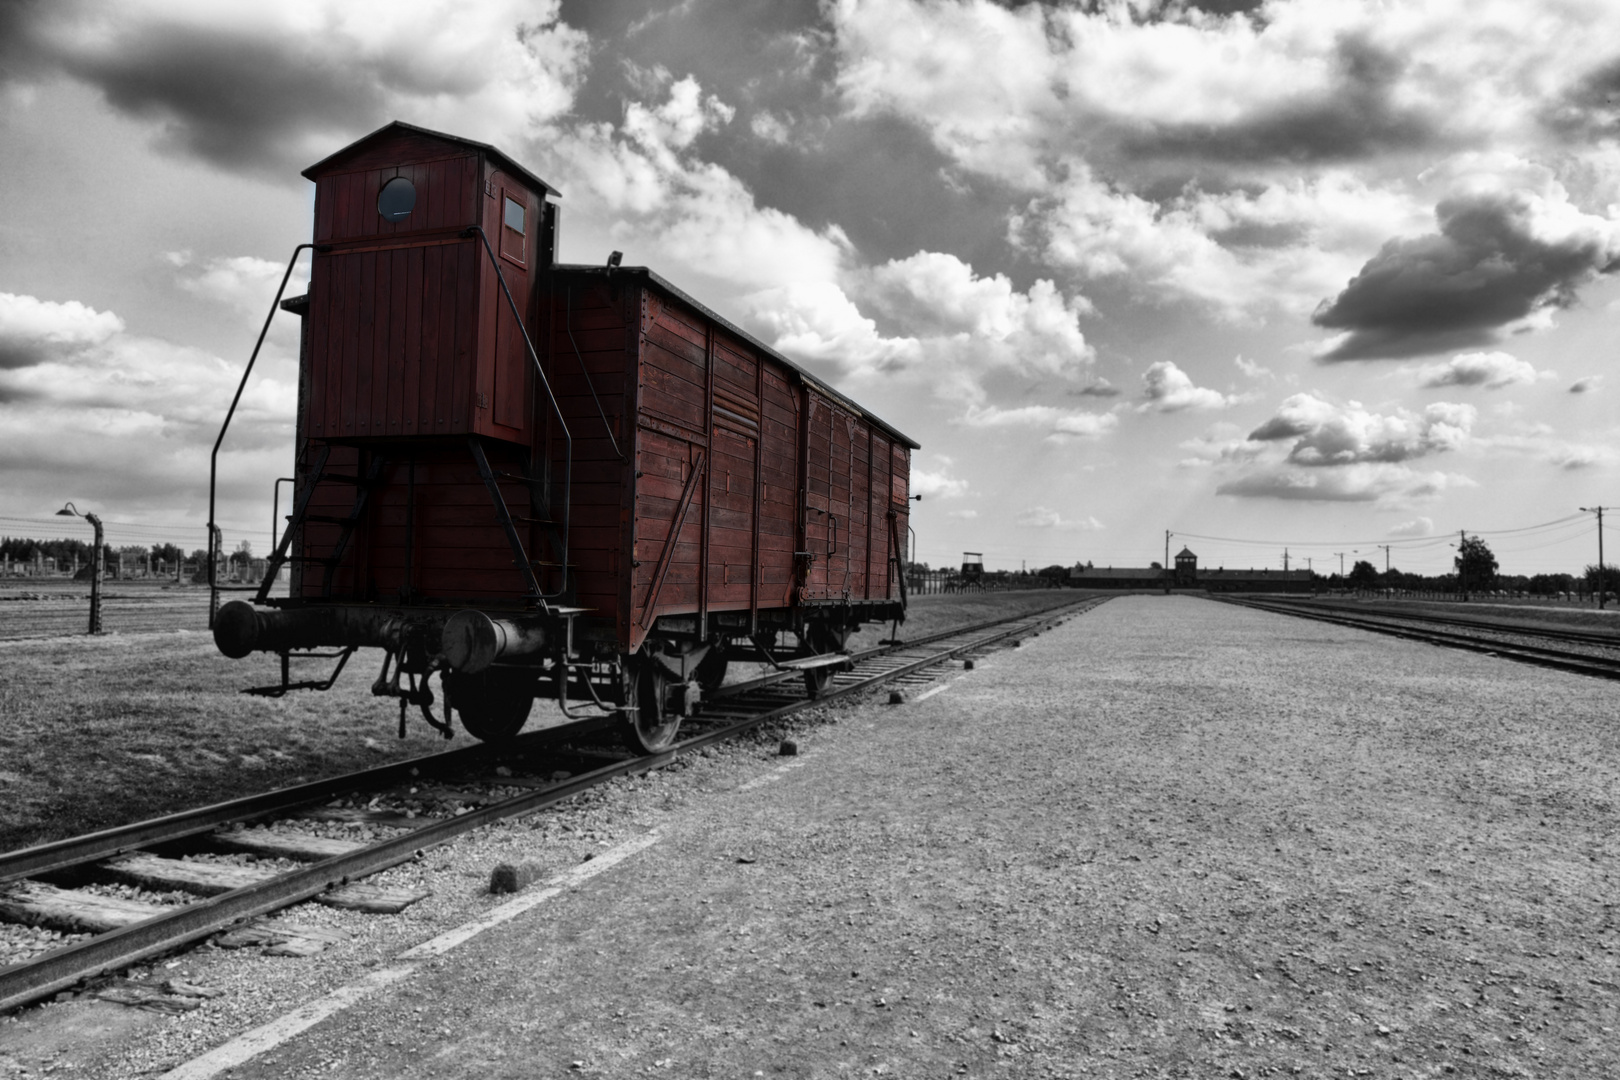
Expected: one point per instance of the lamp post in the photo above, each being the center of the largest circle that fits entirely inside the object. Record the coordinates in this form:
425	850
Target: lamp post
95	565
1602	586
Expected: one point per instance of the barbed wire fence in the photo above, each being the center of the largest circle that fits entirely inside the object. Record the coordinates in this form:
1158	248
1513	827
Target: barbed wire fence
144	588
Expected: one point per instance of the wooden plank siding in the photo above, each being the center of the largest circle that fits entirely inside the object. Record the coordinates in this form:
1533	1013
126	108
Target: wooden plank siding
413	348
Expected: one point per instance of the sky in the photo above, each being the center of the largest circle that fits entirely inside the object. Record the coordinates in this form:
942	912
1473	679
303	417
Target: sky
1323	277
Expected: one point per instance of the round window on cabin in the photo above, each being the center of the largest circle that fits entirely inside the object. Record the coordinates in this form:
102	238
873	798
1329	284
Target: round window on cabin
397	199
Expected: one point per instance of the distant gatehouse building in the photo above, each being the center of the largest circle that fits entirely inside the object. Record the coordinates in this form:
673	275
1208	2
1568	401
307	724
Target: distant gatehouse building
1186	575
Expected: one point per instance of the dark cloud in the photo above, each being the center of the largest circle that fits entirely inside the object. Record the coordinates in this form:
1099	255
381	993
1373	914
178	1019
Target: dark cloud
1294	485
878	177
15	355
1485	269
1101	388
1353	118
224	88
19	55
1591	105
237	100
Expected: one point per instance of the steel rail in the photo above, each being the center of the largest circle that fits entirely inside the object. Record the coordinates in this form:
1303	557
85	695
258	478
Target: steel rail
1562	660
1023	625
736	689
110	951
115	949
1552	633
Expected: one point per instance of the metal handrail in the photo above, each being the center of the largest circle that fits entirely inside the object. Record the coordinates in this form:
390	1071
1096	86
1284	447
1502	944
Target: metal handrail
568	450
213	459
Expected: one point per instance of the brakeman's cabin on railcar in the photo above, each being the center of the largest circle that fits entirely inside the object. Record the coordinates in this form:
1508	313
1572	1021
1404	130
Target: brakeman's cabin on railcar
560	481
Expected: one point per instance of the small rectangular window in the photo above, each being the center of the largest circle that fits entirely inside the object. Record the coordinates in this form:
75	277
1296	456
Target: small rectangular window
514	219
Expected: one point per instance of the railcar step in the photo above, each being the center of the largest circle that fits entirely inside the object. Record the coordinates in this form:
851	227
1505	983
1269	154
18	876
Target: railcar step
72	911
202	878
285	845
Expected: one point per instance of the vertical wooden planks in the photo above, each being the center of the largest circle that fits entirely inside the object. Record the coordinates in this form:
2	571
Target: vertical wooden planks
458	393
402	406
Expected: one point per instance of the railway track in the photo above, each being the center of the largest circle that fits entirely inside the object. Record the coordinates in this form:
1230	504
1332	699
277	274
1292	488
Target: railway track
231	861
1512	641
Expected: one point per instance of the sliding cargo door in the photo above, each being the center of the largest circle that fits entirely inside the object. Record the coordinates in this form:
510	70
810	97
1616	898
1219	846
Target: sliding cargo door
734	447
829	454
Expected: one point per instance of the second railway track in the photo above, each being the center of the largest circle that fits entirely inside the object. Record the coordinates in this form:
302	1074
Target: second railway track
1593	653
47	885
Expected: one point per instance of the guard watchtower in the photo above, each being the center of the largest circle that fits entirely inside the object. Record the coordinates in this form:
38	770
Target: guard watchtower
1186	569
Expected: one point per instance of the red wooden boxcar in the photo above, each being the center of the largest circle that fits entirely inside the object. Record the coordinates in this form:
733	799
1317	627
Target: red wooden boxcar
574	482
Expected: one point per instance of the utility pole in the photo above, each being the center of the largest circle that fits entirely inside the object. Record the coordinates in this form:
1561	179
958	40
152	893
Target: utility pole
1462	564
1602	586
1340	554
1285	560
1386	556
1166	562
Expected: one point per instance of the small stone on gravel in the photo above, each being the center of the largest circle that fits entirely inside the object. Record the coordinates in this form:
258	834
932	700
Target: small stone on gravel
514	877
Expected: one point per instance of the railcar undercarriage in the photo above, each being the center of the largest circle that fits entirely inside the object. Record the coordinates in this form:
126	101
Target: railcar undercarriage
495	665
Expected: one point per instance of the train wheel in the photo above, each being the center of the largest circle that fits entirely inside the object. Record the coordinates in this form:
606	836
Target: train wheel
652	727
494	704
711	670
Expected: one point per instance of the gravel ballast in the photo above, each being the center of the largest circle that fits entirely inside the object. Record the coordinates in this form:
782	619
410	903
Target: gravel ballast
1169	838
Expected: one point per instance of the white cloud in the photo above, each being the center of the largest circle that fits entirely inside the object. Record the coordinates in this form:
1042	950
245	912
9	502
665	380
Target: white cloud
1492	370
91	391
936	485
640	187
964	515
1378	482
1240	252
939	295
1058	423
243	283
1169	389
1311	449
767	126
1041	517
33	331
1418	526
955	327
1325	434
1251	368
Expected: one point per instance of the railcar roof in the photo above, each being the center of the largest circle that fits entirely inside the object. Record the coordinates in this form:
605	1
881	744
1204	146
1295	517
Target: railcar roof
506	160
667	286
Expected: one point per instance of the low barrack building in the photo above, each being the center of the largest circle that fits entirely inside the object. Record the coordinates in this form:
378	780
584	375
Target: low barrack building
1187	575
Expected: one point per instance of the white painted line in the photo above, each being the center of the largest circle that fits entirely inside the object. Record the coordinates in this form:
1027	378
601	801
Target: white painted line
568	879
926	694
771	777
250	1044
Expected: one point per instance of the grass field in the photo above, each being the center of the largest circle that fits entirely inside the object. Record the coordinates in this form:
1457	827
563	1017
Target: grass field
103	731
58	607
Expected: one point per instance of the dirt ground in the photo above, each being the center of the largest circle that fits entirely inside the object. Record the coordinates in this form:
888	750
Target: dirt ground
1171	838
103	731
